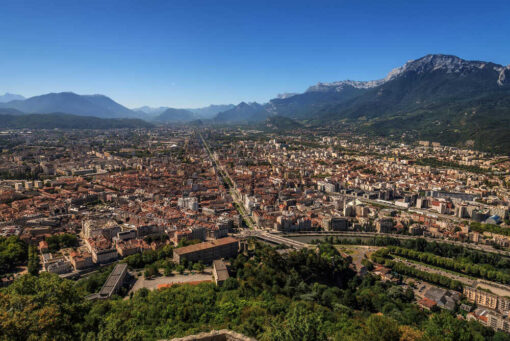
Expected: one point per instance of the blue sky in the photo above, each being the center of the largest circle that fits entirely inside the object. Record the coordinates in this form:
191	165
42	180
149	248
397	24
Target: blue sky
193	53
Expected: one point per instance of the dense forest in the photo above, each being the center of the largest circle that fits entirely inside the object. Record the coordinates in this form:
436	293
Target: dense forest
297	295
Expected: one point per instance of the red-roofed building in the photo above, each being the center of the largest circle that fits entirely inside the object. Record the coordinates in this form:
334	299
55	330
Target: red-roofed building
427	303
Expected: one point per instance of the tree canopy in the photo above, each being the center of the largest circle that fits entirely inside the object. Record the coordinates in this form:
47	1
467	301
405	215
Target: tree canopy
299	295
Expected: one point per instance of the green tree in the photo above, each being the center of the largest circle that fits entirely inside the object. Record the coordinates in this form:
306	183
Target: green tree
381	328
58	241
93	282
151	271
13	252
169	268
300	324
444	326
41	308
199	267
180	269
33	260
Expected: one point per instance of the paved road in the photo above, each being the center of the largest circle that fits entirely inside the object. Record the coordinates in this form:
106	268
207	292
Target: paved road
234	193
273	238
485	248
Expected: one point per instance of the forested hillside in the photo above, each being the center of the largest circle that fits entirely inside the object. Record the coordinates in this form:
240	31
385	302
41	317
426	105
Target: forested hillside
303	295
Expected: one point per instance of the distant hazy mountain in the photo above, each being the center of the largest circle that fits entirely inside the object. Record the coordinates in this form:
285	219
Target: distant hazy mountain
150	111
200	113
68	102
109	104
243	112
66	121
103	107
208	112
7	97
9	111
172	115
211	110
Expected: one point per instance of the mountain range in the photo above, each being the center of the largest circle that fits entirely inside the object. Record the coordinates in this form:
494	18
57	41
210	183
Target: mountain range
169	115
101	106
7	97
172	115
437	97
420	83
9	119
67	102
243	112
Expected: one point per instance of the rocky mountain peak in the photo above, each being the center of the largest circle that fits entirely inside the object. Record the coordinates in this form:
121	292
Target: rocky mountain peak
286	95
445	63
339	86
504	76
426	64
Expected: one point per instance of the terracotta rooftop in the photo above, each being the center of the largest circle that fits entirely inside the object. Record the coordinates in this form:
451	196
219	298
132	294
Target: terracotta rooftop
427	302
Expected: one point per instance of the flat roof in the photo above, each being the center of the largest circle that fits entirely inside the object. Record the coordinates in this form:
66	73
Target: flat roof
205	245
219	265
113	279
221	270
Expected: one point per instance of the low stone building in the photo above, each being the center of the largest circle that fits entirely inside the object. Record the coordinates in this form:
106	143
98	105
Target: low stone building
207	252
81	259
220	272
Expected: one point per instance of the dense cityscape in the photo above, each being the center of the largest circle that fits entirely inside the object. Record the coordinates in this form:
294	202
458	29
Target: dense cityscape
113	214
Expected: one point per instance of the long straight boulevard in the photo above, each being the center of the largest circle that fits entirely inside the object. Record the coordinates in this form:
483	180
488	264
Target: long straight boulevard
232	190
